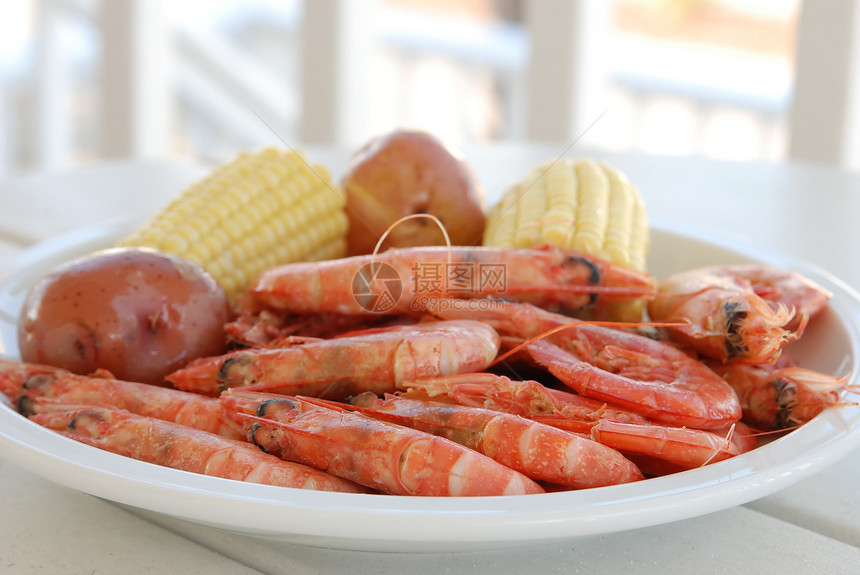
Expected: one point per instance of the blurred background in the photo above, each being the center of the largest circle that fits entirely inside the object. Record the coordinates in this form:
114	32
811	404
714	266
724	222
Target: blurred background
744	80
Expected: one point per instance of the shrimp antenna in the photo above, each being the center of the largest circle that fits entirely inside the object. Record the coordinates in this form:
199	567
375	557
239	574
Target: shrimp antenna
385	234
727	439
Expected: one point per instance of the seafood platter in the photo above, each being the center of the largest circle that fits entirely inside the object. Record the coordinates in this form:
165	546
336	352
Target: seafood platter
384	362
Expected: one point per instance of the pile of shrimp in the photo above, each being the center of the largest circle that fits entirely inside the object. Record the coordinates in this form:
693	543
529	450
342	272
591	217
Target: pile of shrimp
344	379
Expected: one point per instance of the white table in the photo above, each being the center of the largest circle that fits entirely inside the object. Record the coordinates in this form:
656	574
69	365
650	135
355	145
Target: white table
813	527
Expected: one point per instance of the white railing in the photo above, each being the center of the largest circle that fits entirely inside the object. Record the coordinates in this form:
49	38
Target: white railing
245	101
212	77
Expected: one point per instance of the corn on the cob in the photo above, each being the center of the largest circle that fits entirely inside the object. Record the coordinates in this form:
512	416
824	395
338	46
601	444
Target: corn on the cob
579	205
260	210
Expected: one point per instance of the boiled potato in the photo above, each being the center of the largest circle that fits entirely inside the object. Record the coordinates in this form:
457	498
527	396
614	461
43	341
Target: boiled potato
408	172
135	312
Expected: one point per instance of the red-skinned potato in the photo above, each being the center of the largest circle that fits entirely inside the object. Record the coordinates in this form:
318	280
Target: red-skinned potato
409	172
135	312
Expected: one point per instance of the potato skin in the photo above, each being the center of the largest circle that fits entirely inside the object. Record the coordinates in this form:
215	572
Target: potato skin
408	172
135	312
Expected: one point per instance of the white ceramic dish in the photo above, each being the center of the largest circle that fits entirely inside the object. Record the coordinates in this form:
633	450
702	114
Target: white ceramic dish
387	523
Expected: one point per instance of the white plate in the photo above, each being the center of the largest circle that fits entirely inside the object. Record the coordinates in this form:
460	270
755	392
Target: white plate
387	523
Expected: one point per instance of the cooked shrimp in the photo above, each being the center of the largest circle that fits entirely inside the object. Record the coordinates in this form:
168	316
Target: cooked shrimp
727	320
778	397
13	374
267	328
181	447
527	398
658	449
661	449
642	375
401	281
375	360
777	286
22	383
380	455
620	367
539	451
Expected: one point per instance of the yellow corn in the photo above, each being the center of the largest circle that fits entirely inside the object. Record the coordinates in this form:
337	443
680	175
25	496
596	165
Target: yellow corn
579	205
260	210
